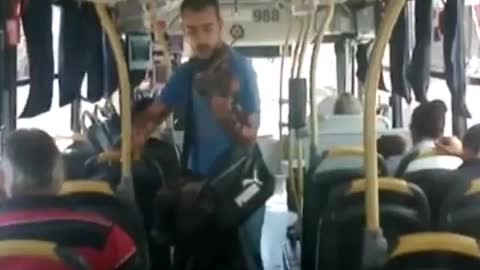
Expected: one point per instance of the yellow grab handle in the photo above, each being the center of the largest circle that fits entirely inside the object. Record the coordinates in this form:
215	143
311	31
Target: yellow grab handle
394	7
126	185
303	47
313	70
115	156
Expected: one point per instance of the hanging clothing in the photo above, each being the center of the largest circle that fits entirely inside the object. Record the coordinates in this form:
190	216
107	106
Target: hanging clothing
110	76
37	26
362	55
399	57
454	55
419	68
80	52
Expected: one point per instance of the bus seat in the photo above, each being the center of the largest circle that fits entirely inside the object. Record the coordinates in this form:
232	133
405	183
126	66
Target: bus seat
403	209
334	167
96	196
427	170
445	251
149	177
74	159
165	155
427	160
350	123
330	139
33	255
85	233
460	212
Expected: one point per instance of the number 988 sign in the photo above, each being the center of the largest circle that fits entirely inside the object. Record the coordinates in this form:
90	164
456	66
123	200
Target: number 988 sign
266	15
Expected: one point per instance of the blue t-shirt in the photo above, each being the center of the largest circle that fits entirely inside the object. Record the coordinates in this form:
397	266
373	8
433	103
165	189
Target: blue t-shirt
209	139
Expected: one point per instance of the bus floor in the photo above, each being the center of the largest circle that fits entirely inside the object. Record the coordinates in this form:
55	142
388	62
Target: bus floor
277	218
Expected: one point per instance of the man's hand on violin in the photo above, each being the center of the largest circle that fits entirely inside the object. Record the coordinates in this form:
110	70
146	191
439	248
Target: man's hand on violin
222	105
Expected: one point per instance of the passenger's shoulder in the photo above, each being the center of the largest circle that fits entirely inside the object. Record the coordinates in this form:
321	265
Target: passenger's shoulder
183	68
239	59
242	65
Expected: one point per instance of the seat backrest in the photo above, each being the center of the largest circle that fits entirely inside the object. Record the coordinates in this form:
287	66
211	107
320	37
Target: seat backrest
148	174
75	157
340	233
330	139
429	171
33	255
331	168
96	196
55	219
434	251
350	123
427	160
460	211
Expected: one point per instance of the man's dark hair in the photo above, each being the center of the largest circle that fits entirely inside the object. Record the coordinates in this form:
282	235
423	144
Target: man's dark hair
471	139
428	120
391	145
199	5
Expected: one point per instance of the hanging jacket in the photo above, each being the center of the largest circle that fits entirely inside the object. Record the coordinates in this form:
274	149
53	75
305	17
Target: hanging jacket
419	68
81	50
37	26
454	55
110	75
362	55
399	57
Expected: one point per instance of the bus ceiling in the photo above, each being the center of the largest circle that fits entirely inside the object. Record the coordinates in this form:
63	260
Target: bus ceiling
264	22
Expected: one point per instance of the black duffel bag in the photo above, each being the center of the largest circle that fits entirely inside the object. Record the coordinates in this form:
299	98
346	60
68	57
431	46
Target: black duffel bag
224	202
240	189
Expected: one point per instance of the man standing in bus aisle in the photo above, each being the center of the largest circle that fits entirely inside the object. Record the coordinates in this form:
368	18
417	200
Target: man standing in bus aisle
218	128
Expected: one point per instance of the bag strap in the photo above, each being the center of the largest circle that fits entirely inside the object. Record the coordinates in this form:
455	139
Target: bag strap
189	129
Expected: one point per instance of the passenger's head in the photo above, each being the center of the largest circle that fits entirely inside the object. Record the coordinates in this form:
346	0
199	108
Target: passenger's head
203	26
31	164
471	143
428	121
347	104
391	145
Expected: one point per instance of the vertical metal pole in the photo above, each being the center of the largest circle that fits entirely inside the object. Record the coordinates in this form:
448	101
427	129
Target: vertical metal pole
11	93
2	85
75	112
9	88
2	75
340	55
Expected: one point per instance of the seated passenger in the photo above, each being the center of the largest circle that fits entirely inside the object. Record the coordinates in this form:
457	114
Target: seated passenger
32	174
346	104
392	148
427	124
469	150
343	105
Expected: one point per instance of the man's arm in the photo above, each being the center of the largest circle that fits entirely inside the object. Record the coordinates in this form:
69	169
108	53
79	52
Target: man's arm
242	125
173	95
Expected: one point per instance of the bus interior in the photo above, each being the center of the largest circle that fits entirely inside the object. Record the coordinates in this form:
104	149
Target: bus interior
334	205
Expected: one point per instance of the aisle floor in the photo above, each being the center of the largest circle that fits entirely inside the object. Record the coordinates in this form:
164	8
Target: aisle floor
274	229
